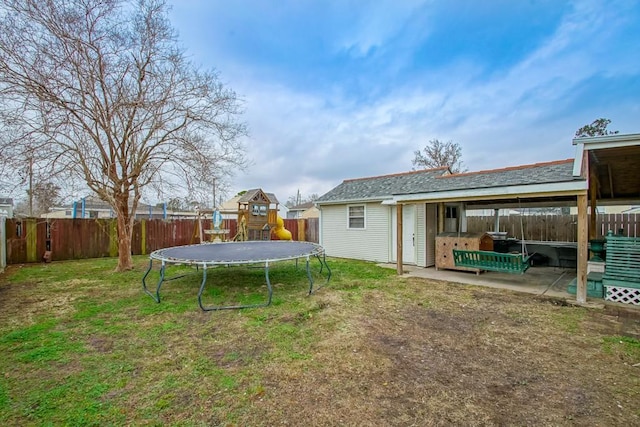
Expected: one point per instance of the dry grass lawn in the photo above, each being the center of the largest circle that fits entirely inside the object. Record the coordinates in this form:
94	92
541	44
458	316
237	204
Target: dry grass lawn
82	345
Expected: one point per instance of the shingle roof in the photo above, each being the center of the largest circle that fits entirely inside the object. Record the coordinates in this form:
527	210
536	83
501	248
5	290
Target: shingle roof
302	206
437	180
381	187
246	197
538	173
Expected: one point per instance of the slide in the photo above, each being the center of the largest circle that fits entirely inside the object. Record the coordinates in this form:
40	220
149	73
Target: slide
281	232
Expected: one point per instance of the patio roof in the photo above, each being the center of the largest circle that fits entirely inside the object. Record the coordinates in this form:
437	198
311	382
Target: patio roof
614	162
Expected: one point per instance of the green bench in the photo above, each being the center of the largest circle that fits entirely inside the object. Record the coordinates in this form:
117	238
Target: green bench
493	261
621	277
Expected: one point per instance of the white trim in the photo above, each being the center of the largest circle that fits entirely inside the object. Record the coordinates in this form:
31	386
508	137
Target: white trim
535	190
577	161
364	216
608	141
355	201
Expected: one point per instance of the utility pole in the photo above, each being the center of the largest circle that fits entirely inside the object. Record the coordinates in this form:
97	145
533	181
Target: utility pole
214	194
31	186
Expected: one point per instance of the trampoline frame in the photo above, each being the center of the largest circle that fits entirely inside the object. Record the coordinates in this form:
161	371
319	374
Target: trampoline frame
315	250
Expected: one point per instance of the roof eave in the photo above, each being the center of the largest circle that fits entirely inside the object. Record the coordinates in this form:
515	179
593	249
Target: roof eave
531	190
349	201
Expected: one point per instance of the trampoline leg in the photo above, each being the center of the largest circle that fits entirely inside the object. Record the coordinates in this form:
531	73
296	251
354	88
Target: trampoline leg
156	296
310	277
204	281
323	263
269	289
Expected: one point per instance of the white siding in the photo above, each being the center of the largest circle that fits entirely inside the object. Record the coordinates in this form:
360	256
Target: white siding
369	244
432	225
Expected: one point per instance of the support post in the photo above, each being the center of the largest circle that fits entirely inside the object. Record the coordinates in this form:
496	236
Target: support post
143	237
441	214
302	231
31	228
399	239
496	220
113	238
3	243
581	288
593	189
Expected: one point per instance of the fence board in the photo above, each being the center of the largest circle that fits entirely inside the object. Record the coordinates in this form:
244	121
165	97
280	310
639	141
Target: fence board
16	242
559	228
3	243
312	230
292	226
555	228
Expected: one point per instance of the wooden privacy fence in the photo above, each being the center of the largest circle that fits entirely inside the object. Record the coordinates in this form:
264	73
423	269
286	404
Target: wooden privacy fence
555	228
28	239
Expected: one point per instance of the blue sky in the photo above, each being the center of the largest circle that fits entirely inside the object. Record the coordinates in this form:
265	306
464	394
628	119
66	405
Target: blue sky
345	89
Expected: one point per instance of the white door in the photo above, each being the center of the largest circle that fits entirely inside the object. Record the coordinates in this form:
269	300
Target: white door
408	234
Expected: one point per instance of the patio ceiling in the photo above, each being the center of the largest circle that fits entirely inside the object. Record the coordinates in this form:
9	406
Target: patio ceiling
617	174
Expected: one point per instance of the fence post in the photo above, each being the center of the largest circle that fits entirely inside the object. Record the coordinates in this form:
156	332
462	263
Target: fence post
143	237
113	238
31	228
301	230
3	243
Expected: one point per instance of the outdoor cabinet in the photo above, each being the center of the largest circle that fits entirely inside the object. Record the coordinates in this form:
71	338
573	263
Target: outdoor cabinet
447	242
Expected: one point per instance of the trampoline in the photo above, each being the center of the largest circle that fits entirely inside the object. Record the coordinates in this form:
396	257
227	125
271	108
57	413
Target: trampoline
208	255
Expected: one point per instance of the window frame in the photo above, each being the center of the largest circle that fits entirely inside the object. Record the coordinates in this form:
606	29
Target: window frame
351	217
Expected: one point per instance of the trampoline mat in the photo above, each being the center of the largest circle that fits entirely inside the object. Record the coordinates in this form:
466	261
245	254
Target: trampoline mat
237	252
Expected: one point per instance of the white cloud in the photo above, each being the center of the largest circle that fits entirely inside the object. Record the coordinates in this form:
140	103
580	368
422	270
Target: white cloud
311	138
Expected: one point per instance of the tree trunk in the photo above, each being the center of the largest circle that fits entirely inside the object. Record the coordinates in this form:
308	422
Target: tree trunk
125	231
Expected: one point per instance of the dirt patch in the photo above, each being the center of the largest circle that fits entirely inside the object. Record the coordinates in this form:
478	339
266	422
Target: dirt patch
486	358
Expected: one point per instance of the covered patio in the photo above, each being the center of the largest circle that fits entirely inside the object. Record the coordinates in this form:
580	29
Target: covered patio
604	171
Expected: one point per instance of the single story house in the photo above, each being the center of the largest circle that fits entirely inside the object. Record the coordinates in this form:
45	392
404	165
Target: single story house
303	211
6	207
359	217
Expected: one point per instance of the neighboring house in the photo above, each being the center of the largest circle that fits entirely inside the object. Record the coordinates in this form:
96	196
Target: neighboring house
358	218
303	211
229	209
6	207
611	209
91	207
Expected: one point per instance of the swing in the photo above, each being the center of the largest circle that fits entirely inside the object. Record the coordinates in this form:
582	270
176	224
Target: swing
495	261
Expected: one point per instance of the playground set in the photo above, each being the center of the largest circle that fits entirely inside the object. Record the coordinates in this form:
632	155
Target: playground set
258	219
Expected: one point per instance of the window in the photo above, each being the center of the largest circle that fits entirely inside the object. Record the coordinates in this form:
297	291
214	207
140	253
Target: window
356	216
451	212
259	210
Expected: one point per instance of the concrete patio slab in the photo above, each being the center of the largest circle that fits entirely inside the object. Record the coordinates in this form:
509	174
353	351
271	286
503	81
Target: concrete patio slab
550	281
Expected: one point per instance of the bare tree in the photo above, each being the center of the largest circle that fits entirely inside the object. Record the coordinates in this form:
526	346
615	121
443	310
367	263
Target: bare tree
299	199
437	154
43	196
105	95
597	128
